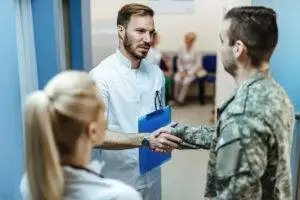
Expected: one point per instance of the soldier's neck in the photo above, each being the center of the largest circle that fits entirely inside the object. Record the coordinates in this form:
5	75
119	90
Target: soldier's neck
243	73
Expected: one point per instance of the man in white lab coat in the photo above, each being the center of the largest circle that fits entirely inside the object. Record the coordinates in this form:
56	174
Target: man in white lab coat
129	83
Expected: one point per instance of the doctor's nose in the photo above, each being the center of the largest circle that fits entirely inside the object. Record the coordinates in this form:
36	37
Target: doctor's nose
147	38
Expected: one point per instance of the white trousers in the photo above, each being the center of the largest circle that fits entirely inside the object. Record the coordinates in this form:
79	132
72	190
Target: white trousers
182	85
152	193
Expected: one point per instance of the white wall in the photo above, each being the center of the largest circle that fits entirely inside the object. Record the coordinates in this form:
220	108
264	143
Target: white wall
225	84
204	21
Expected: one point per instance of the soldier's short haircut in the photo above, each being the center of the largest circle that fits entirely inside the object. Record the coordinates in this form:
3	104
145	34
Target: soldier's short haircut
257	28
133	9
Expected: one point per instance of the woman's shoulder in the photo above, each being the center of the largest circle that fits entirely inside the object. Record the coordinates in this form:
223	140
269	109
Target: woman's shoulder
80	184
122	191
24	188
102	189
90	186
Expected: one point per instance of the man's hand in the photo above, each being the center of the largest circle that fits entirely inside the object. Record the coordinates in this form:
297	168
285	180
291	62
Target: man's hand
163	141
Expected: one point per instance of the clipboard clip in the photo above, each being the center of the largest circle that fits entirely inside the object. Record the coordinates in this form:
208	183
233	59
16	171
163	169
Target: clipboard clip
157	112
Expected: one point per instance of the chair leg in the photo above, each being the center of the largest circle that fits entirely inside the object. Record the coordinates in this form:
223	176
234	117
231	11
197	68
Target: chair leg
201	90
213	119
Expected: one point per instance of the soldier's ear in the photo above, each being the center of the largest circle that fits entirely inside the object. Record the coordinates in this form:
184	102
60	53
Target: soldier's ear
121	32
239	49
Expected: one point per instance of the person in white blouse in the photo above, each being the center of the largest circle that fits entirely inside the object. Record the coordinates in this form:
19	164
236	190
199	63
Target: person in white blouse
154	54
188	63
63	123
164	63
129	85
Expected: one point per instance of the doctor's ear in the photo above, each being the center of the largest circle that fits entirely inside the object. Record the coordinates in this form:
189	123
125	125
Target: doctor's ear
121	31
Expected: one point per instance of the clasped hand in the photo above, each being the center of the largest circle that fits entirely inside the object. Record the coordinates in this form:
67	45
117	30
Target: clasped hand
162	140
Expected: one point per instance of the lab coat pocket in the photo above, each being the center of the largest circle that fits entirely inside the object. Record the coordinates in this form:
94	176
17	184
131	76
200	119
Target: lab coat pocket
228	155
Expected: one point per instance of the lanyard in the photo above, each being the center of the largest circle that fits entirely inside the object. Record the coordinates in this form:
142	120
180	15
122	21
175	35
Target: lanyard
158	98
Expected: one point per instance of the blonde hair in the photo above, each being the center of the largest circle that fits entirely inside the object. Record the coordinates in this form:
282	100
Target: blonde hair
54	120
191	36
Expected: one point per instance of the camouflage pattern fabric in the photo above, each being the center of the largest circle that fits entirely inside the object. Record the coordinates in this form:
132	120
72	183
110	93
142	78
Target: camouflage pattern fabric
250	145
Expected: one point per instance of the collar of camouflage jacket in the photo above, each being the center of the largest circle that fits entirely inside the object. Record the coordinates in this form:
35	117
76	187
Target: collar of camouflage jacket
240	94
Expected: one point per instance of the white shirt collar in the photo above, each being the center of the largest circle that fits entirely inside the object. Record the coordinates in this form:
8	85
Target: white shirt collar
126	62
96	166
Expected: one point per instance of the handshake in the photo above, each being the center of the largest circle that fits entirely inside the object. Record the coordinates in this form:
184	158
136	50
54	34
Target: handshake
163	141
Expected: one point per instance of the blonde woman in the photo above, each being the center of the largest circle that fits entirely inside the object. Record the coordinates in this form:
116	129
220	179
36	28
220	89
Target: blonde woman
188	63
63	123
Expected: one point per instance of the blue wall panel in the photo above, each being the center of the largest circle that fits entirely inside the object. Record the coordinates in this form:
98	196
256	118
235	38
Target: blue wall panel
285	63
80	34
11	143
43	13
75	21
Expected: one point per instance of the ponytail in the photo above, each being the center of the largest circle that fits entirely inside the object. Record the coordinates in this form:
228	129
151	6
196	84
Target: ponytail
45	177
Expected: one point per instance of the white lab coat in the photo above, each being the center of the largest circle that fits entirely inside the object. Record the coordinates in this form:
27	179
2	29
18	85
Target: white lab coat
81	184
128	94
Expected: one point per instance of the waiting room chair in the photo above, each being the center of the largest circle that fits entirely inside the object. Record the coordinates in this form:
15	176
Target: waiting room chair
209	63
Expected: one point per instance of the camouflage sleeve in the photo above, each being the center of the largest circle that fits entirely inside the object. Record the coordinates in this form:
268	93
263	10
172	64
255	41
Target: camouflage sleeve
244	183
195	137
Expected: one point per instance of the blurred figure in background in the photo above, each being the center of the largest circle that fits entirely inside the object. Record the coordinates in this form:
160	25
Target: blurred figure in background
154	54
164	63
188	63
63	123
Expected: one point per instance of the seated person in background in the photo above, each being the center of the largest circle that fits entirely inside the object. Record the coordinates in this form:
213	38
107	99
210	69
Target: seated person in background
63	123
188	64
154	54
164	62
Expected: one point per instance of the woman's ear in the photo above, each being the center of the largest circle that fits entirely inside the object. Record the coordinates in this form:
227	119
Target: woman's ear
121	31
91	131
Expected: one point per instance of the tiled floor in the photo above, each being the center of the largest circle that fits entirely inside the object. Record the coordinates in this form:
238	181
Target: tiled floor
184	177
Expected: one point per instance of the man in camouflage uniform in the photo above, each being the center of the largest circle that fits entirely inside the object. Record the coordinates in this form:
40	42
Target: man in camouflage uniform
250	145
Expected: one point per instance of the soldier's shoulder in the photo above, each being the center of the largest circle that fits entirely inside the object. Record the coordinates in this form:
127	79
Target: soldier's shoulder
266	97
266	90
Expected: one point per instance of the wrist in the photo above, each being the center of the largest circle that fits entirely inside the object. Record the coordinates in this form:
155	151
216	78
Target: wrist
145	141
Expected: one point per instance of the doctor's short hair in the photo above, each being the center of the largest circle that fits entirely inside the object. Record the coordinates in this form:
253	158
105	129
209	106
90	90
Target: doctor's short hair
256	27
133	9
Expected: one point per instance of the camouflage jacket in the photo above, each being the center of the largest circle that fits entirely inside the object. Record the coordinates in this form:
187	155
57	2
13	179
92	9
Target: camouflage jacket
250	144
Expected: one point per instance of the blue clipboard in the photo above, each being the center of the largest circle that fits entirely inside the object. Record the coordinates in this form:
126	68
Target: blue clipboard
147	124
